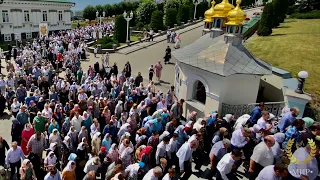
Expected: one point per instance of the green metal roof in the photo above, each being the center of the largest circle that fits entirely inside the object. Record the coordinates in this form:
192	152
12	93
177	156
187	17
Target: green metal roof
58	1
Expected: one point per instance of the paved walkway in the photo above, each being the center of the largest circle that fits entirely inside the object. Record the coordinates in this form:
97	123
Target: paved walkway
156	40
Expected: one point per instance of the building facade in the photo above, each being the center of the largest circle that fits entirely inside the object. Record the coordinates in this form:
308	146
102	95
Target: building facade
20	19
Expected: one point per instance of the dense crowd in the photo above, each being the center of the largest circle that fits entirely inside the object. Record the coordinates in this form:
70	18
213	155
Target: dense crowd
104	123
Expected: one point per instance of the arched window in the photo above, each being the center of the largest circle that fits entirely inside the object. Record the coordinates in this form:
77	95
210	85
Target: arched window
200	92
218	23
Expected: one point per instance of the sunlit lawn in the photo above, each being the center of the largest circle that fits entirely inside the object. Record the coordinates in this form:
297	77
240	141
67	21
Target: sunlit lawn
294	46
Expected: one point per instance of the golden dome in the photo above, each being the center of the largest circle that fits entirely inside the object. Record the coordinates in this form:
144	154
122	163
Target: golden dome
209	13
236	16
222	9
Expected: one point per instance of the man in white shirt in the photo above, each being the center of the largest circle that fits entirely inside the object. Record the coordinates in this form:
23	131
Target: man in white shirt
162	104
162	149
153	174
262	122
240	138
262	156
226	164
184	155
273	172
76	122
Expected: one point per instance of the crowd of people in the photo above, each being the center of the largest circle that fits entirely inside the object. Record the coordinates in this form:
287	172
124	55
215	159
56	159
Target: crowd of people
92	123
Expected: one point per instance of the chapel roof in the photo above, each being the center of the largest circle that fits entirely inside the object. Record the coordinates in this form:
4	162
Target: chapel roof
58	1
217	56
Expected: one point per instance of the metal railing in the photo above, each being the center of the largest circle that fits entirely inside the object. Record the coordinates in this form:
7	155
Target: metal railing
238	110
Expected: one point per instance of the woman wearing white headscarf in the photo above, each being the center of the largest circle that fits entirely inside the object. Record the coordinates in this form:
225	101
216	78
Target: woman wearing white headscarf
123	129
96	142
276	148
164	134
126	157
68	172
55	137
51	159
201	123
118	110
113	153
26	170
73	138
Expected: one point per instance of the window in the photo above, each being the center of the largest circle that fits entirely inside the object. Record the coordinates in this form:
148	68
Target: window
26	16
28	35
200	94
7	37
60	16
44	16
5	16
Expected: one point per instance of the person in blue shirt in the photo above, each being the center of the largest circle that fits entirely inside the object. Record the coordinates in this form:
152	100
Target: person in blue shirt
255	114
288	118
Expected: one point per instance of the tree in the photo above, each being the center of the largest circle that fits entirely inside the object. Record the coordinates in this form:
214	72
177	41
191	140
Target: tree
170	4
145	10
277	12
170	18
183	14
266	22
157	21
108	9
120	29
89	13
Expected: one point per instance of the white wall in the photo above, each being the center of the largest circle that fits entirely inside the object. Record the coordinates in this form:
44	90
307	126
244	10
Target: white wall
17	18
235	89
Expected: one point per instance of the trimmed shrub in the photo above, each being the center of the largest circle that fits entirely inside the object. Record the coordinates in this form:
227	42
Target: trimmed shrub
308	15
171	17
183	14
106	42
277	13
120	29
139	26
157	21
266	22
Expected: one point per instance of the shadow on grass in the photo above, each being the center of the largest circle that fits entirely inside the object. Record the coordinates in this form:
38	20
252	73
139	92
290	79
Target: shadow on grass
290	21
283	27
278	34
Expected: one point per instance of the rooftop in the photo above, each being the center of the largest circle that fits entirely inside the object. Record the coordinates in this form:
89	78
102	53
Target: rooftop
217	56
58	1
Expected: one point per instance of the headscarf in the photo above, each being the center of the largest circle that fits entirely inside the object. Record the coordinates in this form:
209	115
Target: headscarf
308	121
141	138
126	152
66	140
228	117
279	137
52	145
133	169
112	148
198	124
164	134
96	135
179	129
106	142
80	146
72	157
49	160
68	167
24	164
146	151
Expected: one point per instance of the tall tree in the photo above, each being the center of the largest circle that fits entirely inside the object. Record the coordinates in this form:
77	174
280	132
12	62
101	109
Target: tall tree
266	22
145	10
120	29
157	20
171	17
277	12
89	13
183	14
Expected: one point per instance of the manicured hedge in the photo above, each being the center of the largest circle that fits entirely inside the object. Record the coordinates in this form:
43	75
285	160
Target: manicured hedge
308	15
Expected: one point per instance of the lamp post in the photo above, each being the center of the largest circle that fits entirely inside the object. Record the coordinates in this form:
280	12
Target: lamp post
302	77
195	2
128	18
100	18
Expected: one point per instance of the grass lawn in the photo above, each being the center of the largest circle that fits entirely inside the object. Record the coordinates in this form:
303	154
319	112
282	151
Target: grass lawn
132	39
294	46
82	24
